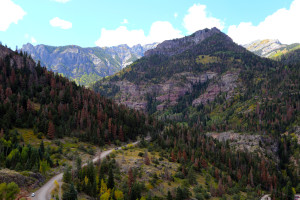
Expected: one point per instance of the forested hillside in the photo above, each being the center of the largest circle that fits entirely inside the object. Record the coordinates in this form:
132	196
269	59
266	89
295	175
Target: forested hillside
216	84
248	104
32	97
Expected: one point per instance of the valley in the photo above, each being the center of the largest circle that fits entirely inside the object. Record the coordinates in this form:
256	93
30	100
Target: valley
212	120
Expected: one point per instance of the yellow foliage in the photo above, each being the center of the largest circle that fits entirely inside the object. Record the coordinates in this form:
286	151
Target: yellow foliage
105	196
130	146
205	59
119	195
103	188
86	180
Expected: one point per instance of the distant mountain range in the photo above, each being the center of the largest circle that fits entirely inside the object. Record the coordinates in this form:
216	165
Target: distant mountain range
270	48
86	65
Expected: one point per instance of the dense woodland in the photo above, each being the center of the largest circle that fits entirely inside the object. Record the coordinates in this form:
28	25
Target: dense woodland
50	104
268	103
257	106
34	98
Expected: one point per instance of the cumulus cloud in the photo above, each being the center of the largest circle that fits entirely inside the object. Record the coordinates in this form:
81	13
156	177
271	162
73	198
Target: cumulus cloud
125	21
159	31
33	40
198	18
62	1
57	22
9	13
282	25
175	15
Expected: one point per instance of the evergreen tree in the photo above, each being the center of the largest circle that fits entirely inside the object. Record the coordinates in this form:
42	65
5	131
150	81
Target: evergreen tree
51	130
71	194
169	197
110	182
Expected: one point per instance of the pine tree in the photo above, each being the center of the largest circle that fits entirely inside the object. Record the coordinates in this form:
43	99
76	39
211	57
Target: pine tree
51	130
110	182
130	180
191	176
169	197
71	194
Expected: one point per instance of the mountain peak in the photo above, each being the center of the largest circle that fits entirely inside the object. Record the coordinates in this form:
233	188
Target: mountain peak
176	46
264	47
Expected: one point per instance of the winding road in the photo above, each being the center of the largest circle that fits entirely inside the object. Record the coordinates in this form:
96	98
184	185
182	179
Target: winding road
44	193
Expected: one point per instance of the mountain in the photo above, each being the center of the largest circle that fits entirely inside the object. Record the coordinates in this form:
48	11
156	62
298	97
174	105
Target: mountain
208	88
175	67
270	48
86	65
181	77
33	97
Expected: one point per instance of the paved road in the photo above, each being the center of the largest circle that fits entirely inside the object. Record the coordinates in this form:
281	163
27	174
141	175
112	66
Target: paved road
44	193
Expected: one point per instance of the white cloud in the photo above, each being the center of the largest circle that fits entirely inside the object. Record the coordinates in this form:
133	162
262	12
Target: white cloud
57	22
9	13
159	31
125	21
33	40
175	15
62	1
30	38
198	18
282	25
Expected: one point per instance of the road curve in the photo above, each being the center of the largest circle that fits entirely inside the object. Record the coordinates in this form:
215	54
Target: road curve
44	193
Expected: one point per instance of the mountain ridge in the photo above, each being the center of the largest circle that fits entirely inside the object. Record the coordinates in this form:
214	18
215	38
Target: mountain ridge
85	65
270	48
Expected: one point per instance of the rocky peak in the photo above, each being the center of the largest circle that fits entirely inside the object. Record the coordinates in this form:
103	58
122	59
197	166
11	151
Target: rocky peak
177	46
264	47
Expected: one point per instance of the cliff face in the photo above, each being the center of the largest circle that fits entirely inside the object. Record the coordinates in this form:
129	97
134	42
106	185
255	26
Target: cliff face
270	48
203	65
86	65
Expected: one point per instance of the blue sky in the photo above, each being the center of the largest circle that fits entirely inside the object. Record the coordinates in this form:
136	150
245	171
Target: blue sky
105	23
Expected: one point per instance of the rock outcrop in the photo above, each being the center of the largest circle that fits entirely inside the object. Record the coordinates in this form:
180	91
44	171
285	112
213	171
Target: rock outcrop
86	65
174	68
177	46
270	48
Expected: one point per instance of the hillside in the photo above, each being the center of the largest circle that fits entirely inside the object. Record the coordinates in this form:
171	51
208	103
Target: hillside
85	65
209	80
210	90
273	49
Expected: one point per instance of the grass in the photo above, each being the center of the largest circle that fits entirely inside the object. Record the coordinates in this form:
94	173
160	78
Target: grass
29	137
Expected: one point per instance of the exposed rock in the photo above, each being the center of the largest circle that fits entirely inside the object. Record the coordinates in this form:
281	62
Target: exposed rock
167	92
23	180
269	48
77	63
177	46
227	83
14	59
249	142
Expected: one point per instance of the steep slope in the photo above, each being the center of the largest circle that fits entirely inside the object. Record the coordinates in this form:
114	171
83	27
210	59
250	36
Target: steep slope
213	82
86	65
32	97
175	67
270	48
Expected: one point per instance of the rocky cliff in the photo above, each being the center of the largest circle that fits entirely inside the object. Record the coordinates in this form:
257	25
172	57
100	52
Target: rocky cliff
207	61
86	65
270	48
